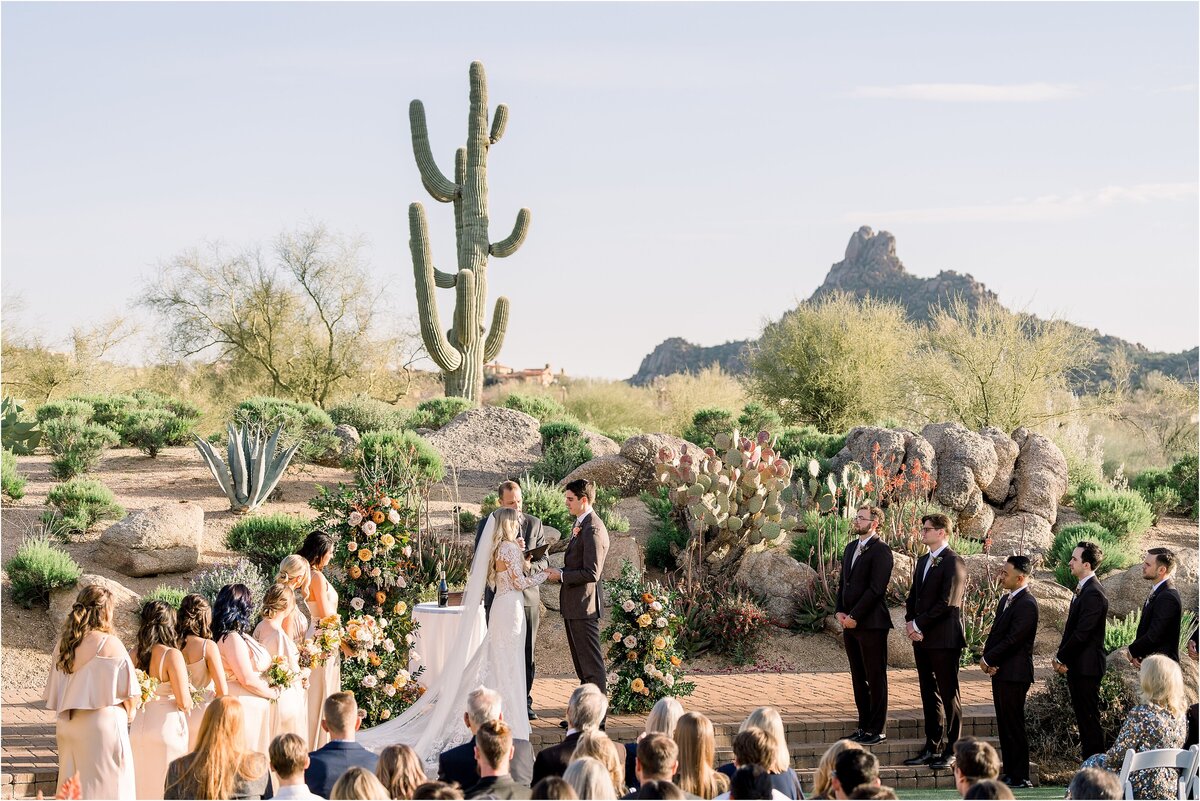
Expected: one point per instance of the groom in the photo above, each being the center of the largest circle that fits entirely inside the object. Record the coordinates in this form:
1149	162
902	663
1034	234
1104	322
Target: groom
579	599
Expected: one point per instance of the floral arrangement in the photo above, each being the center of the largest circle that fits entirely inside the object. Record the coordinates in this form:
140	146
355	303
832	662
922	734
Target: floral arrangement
642	649
326	639
147	686
364	634
198	695
279	675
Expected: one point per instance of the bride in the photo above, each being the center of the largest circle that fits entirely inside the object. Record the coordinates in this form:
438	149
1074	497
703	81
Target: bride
435	722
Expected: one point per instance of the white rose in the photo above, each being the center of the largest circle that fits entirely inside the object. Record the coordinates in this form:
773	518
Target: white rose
402	676
414	656
369	680
628	605
356	604
351	546
617	636
376	572
364	636
394	517
661	622
382	622
368	527
389	690
380	673
630	641
354	519
656	606
649	669
401	582
669	680
612	678
385	501
407	551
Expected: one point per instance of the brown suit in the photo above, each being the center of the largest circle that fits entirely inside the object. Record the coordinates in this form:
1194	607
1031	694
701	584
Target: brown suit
580	599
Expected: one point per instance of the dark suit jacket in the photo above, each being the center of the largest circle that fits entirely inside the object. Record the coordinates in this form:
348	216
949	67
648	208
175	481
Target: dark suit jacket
553	761
1158	630
328	763
862	591
934	602
1009	645
1082	646
580	596
458	764
535	537
497	787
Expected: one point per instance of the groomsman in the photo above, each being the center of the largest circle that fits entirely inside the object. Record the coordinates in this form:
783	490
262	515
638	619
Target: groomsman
933	611
1081	652
1008	659
1162	614
862	611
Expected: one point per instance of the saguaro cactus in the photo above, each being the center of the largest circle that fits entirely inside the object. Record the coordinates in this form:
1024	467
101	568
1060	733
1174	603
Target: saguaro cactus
461	352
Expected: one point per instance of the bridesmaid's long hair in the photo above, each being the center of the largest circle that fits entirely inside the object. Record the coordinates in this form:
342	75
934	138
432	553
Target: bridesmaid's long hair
219	758
158	628
316	545
194	618
231	612
92	611
508	524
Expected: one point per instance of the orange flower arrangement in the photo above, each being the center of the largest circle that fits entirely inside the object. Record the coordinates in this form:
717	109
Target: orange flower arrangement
355	571
377	516
380	597
364	554
647	597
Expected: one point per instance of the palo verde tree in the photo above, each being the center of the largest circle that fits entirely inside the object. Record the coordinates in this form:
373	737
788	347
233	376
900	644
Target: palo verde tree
461	352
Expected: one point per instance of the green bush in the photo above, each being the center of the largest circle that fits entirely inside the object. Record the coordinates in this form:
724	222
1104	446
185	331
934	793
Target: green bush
544	500
668	529
302	422
266	539
1186	475
755	417
805	544
1123	512
1050	717
622	433
79	504
436	412
1119	633
539	406
606	508
39	568
1117	553
75	446
172	595
560	457
706	424
107	410
398	457
558	429
148	430
12	483
367	415
801	443
210	582
57	410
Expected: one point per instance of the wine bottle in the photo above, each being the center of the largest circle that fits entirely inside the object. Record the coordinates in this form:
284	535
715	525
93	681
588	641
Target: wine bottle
443	591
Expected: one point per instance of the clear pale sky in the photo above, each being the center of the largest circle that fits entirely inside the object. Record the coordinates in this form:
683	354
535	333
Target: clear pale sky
692	169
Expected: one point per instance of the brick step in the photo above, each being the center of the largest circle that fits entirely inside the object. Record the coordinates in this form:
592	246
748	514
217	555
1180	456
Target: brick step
903	776
889	752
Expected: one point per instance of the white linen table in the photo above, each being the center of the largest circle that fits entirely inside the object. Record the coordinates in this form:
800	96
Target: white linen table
435	635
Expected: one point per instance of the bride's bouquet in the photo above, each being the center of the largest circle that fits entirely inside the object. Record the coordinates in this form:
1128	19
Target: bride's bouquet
280	676
326	639
364	634
147	686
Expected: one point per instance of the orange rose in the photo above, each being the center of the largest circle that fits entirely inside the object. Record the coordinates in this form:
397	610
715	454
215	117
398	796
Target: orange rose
355	571
395	503
632	655
647	598
377	516
365	554
380	597
375	660
676	661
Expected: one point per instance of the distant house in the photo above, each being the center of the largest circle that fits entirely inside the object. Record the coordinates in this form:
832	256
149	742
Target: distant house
497	373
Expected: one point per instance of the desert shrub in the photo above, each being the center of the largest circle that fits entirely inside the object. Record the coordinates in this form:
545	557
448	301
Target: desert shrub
468	521
302	422
163	592
560	456
77	505
755	417
210	582
706	424
368	414
1050	718
38	568
183	415
75	446
436	412
621	433
391	456
1118	553
609	405
1186	475
668	529
677	397
1123	512
738	626
800	443
12	482
56	410
606	509
266	539
805	547
545	409
107	410
979	603
559	429
1120	632
1163	501
148	430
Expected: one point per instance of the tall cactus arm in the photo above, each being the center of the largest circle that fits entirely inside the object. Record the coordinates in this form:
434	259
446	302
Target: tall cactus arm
509	246
444	280
460	178
444	355
440	187
495	337
466	321
499	120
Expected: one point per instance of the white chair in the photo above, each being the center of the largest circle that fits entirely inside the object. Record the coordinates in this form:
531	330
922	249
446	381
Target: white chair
1186	761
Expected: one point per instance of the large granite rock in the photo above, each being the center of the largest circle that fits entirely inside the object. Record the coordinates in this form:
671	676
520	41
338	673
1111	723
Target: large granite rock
614	472
126	616
1022	533
1040	475
642	449
900	648
998	490
896	448
1054	604
1127	590
902	571
777	578
489	444
977	525
160	539
600	444
966	464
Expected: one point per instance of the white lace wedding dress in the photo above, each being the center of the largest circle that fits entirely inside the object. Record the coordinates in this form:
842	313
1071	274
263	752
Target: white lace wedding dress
435	722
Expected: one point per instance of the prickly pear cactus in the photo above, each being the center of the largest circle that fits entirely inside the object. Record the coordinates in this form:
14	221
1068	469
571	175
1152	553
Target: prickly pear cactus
735	495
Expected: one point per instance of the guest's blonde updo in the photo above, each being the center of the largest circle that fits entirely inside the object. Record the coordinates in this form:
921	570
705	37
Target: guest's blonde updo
294	568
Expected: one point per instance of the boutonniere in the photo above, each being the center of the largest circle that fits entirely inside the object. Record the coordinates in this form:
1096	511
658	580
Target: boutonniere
575	532
935	561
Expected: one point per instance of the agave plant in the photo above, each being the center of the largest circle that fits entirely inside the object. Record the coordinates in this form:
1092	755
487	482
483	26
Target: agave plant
254	466
20	438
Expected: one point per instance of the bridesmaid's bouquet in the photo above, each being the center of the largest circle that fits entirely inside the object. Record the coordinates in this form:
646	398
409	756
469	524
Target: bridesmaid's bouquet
197	694
326	639
280	676
364	634
147	686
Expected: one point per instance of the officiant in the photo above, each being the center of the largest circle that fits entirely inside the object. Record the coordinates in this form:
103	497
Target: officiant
509	493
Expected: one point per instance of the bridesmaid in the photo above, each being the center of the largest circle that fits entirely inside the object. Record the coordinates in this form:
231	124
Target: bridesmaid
244	661
322	601
205	670
159	734
290	714
92	688
295	572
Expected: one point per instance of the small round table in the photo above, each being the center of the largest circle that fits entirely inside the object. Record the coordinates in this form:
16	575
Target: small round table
435	636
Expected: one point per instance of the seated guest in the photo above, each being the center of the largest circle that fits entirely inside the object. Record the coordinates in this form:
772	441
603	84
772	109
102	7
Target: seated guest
873	791
597	745
853	769
654	789
289	758
753	746
437	791
589	779
458	764
656	761
751	781
399	770
1157	722
554	787
339	717
779	763
358	783
974	760
697	752
661	720
1094	783
493	753
585	710
219	767
823	778
990	790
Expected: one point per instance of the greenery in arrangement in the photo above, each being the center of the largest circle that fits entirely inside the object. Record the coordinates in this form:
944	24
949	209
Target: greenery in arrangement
38	568
12	482
266	539
642	643
1117	553
1120	632
79	504
1050	719
243	571
19	436
304	425
252	468
163	592
391	456
669	529
75	446
368	414
544	408
437	412
1124	513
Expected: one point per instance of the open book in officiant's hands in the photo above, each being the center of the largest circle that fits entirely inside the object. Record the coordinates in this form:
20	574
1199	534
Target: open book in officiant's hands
536	553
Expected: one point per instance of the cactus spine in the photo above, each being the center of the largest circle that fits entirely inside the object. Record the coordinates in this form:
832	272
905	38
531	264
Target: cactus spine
461	352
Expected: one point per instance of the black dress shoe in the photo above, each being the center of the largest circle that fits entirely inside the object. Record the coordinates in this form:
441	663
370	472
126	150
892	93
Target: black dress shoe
856	735
532	715
924	758
1017	783
872	739
944	762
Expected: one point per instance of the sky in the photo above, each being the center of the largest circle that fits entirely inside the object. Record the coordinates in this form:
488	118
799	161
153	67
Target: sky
692	170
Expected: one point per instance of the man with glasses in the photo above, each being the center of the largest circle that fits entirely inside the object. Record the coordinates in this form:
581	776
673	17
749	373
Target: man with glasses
862	611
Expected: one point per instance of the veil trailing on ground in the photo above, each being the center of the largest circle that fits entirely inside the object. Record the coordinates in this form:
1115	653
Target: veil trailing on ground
434	723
